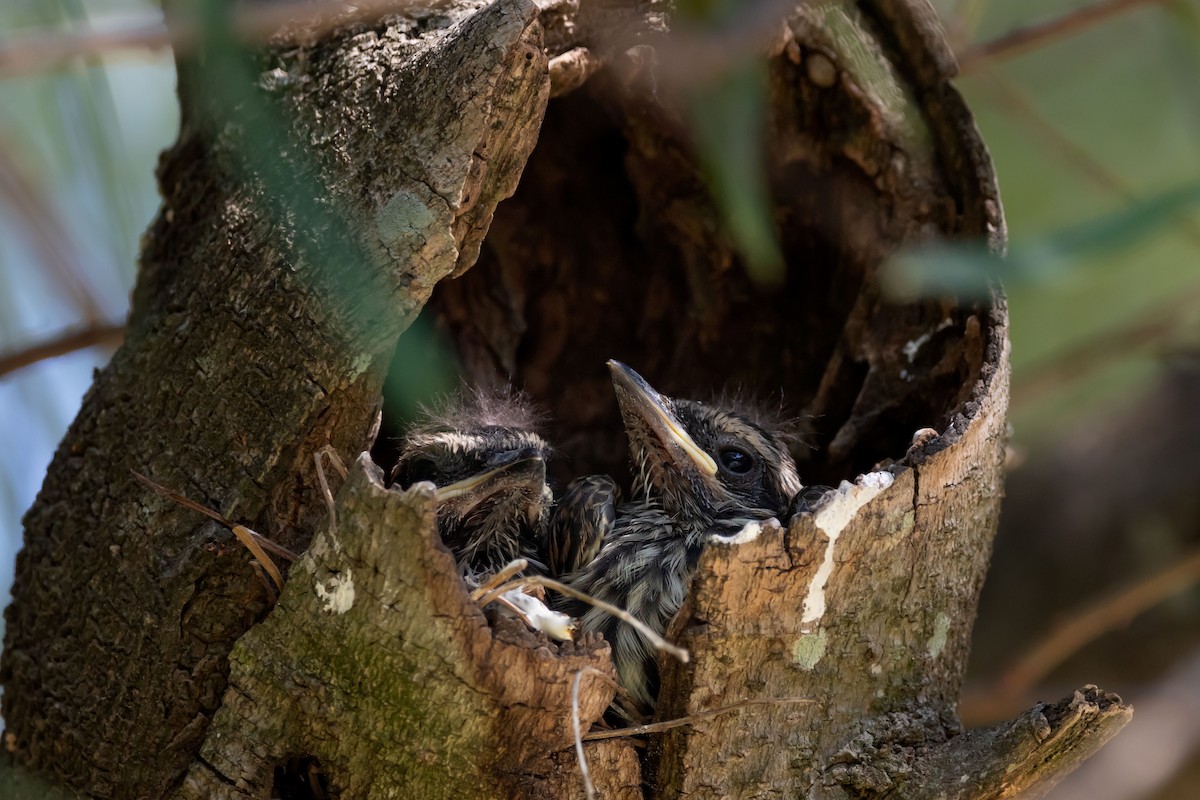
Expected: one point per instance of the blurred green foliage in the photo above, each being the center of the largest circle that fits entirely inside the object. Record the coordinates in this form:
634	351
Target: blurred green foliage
1038	260
1083	128
727	114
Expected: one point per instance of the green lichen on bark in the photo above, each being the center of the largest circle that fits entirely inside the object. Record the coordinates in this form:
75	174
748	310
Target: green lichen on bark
376	663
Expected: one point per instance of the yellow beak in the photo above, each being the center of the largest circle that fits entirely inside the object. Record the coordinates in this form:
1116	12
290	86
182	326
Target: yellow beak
634	393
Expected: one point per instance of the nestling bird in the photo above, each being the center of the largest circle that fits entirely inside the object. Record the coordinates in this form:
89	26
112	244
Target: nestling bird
486	459
701	473
582	518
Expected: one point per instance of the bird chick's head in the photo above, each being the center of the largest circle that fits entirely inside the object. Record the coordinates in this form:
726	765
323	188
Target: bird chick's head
489	467
700	458
474	466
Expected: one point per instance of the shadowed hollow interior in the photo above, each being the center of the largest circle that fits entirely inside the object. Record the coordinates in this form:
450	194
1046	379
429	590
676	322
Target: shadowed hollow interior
611	248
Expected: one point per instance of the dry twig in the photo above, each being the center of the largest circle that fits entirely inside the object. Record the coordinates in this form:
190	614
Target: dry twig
536	580
336	462
255	542
110	335
511	569
1031	36
584	772
1106	614
666	725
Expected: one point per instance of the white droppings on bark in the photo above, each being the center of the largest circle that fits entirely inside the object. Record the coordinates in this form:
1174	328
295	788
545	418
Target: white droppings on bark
338	595
832	518
913	346
748	533
553	623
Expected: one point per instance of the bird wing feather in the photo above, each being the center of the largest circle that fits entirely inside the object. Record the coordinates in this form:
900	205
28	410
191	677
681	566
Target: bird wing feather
582	519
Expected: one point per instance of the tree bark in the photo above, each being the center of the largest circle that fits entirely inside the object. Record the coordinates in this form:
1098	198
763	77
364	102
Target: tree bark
245	355
389	675
143	656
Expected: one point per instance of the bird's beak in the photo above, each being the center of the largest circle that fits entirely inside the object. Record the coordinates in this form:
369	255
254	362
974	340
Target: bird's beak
640	399
505	469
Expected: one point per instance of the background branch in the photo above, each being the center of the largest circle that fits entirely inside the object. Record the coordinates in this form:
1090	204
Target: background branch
1038	34
103	335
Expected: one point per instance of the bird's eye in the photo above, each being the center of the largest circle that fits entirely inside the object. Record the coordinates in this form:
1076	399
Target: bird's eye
735	461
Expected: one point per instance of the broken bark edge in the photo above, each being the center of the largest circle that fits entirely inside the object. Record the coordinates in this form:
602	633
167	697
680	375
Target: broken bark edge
374	624
1024	757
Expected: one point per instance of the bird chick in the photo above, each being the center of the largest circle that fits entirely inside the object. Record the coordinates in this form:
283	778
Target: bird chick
488	463
701	473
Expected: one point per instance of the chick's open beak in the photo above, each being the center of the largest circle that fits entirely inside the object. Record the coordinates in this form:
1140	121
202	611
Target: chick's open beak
641	399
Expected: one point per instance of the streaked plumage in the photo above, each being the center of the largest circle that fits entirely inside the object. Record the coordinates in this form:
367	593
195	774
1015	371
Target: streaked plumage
483	453
700	473
582	518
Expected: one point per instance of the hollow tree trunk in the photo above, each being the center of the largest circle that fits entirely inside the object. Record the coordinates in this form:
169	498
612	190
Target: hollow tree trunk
143	656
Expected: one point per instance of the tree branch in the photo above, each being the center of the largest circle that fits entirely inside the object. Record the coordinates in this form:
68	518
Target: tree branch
102	335
1031	36
1023	758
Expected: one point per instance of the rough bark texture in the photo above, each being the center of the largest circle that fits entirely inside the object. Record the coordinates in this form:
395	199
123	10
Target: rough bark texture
1023	758
376	663
245	356
242	359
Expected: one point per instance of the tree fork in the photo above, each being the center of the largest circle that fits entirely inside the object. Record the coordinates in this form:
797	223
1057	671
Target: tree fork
140	658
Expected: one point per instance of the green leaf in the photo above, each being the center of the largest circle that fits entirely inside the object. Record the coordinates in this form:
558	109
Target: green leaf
727	117
968	269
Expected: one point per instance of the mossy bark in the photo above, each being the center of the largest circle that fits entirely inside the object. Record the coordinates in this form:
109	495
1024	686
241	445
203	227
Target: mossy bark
377	664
